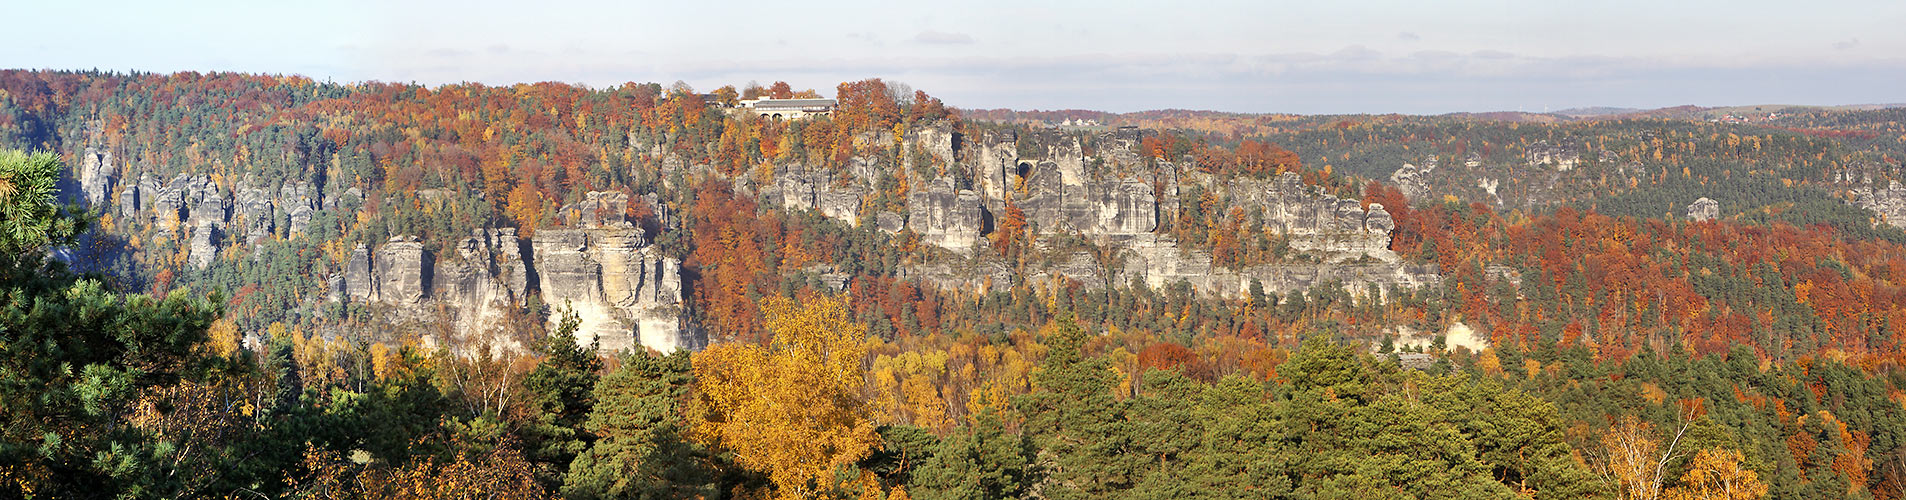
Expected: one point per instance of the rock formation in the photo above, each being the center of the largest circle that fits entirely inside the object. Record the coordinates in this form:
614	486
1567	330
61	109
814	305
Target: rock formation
945	217
1117	201
1889	202
1412	180
95	174
403	270
625	292
1544	154
802	189
1704	209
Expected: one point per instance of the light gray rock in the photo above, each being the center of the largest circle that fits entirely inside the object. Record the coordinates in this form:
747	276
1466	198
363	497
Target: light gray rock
128	208
841	203
1704	209
95	174
254	214
359	278
936	140
299	201
203	247
626	293
403	270
994	160
890	222
945	217
1888	202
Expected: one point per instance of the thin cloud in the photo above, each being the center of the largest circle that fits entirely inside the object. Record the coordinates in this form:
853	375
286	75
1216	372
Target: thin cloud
1847	44
942	38
1408	37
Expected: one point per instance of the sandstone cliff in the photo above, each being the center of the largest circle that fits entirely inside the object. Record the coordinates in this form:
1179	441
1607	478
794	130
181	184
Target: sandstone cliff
625	292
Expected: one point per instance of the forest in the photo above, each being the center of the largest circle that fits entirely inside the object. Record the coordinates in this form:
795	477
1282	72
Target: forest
1631	353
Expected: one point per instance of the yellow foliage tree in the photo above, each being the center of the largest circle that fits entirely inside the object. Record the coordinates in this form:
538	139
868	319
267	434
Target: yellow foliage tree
1716	474
791	409
1635	459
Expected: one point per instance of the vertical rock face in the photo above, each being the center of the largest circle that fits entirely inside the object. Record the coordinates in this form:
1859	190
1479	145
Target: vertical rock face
298	200
842	203
945	217
95	176
1889	202
994	160
1127	208
936	140
566	272
254	214
203	248
1323	223
1412	180
476	279
129	202
1544	154
796	188
360	280
508	262
625	292
1379	221
803	189
403	270
484	277
1118	201
205	204
1704	209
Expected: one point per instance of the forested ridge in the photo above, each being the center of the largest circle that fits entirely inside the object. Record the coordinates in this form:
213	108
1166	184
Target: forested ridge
1622	350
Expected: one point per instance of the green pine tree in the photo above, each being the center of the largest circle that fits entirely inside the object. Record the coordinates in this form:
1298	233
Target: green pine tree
977	462
561	390
75	356
641	449
1074	417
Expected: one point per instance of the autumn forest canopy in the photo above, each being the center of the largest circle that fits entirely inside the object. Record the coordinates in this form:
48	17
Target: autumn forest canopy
237	286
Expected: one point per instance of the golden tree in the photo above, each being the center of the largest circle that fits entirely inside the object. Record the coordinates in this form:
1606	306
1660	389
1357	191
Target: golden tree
1635	459
1716	474
791	409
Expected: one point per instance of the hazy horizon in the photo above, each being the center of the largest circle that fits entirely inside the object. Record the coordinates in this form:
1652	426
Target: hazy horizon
1250	57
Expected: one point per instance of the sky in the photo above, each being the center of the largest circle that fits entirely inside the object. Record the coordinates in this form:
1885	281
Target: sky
1311	57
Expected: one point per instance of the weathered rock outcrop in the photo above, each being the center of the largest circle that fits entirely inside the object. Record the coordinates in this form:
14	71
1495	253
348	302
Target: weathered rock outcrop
945	217
1117	201
625	292
803	189
298	201
1412	180
890	222
202	248
254	214
1544	154
360	278
95	175
1889	202
1704	209
403	270
994	160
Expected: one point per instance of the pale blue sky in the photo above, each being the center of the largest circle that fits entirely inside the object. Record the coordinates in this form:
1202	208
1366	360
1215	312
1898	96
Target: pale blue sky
1302	57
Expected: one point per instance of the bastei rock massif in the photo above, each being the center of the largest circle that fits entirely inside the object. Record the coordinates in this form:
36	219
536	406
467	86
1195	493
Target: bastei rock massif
1095	209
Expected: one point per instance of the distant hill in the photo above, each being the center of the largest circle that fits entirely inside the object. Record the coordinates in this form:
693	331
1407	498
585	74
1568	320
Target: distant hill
1595	111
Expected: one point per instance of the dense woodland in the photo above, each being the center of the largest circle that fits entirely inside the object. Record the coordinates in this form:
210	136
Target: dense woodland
1634	354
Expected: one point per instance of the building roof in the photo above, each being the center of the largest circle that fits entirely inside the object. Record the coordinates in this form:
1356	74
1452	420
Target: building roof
792	103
